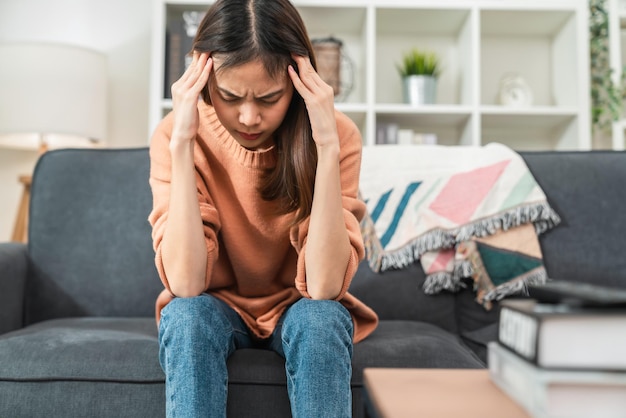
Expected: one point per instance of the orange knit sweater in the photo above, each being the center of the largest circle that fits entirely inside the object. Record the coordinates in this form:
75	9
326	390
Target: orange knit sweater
255	260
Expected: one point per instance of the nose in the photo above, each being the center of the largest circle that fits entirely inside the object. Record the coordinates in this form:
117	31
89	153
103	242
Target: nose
249	114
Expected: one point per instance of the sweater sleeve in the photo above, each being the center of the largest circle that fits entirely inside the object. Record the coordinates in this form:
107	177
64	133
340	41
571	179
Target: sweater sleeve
160	178
353	207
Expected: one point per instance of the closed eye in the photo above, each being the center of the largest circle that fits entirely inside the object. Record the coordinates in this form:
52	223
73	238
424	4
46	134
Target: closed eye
229	98
269	102
271	98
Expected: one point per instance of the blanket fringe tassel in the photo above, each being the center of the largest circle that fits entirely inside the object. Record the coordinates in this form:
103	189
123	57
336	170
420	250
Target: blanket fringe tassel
540	214
519	286
452	282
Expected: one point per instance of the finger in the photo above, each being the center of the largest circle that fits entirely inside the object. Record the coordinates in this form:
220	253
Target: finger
308	74
198	79
197	67
189	81
304	65
203	78
297	82
189	70
303	62
194	78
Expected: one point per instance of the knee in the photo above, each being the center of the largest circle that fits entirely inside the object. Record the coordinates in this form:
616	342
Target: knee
187	309
194	315
193	331
319	320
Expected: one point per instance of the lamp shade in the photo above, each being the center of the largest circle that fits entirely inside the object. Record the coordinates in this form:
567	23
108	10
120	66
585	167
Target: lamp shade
51	90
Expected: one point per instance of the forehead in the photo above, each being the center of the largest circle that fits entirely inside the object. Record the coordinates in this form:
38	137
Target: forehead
250	74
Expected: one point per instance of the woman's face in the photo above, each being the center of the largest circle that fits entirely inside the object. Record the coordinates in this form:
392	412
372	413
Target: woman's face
249	103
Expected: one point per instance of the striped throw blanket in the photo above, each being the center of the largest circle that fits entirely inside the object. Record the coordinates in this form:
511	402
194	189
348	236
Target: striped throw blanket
462	211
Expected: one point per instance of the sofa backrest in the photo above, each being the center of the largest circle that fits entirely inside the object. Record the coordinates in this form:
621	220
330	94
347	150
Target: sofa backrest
89	239
91	251
588	191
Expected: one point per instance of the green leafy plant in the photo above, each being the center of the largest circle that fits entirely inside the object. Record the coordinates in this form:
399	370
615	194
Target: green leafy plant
606	96
418	62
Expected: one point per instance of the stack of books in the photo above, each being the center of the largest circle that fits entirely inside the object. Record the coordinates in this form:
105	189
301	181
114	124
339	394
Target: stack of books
562	353
392	133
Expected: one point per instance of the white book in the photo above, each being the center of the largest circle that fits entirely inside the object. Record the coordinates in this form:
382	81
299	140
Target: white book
546	393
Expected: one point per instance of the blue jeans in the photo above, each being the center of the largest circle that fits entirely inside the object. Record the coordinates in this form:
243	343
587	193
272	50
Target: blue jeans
197	335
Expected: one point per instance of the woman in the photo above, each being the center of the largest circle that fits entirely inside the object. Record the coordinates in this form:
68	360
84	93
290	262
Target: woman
256	217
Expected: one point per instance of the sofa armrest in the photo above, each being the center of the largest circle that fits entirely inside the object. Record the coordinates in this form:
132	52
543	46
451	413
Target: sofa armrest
13	272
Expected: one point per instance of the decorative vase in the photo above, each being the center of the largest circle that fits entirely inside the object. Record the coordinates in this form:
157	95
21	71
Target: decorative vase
419	89
334	66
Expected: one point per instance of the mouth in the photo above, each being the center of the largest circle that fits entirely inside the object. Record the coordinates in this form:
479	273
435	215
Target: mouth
249	137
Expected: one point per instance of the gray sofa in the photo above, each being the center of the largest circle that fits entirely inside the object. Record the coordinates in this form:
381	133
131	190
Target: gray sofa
77	330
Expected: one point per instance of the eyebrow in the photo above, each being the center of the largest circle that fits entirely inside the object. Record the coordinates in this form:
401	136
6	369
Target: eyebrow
264	97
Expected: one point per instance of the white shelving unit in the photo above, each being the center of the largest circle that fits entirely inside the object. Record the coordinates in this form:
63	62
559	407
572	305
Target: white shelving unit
479	42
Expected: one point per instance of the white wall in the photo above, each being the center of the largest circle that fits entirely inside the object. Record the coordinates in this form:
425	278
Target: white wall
120	29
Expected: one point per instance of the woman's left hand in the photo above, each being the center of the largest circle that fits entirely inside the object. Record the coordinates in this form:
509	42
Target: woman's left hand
319	98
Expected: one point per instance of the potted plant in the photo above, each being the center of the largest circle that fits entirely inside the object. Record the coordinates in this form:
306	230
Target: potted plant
419	71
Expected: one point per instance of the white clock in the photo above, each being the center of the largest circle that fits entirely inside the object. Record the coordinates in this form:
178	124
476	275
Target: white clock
514	91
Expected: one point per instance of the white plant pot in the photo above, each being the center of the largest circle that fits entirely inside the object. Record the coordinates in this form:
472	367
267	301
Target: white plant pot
419	89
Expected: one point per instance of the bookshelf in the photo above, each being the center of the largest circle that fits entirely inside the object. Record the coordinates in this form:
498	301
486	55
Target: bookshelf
479	42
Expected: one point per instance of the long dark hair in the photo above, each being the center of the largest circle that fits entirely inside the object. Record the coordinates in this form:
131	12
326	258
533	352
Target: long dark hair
269	30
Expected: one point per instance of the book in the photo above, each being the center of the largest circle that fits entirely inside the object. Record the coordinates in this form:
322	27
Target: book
180	32
174	56
564	336
549	393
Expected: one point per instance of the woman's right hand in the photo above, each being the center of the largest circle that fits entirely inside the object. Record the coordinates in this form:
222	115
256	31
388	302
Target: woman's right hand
185	93
183	247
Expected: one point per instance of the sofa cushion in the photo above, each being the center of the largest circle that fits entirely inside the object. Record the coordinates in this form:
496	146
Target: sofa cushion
411	344
77	399
398	294
88	349
126	351
258	376
104	367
